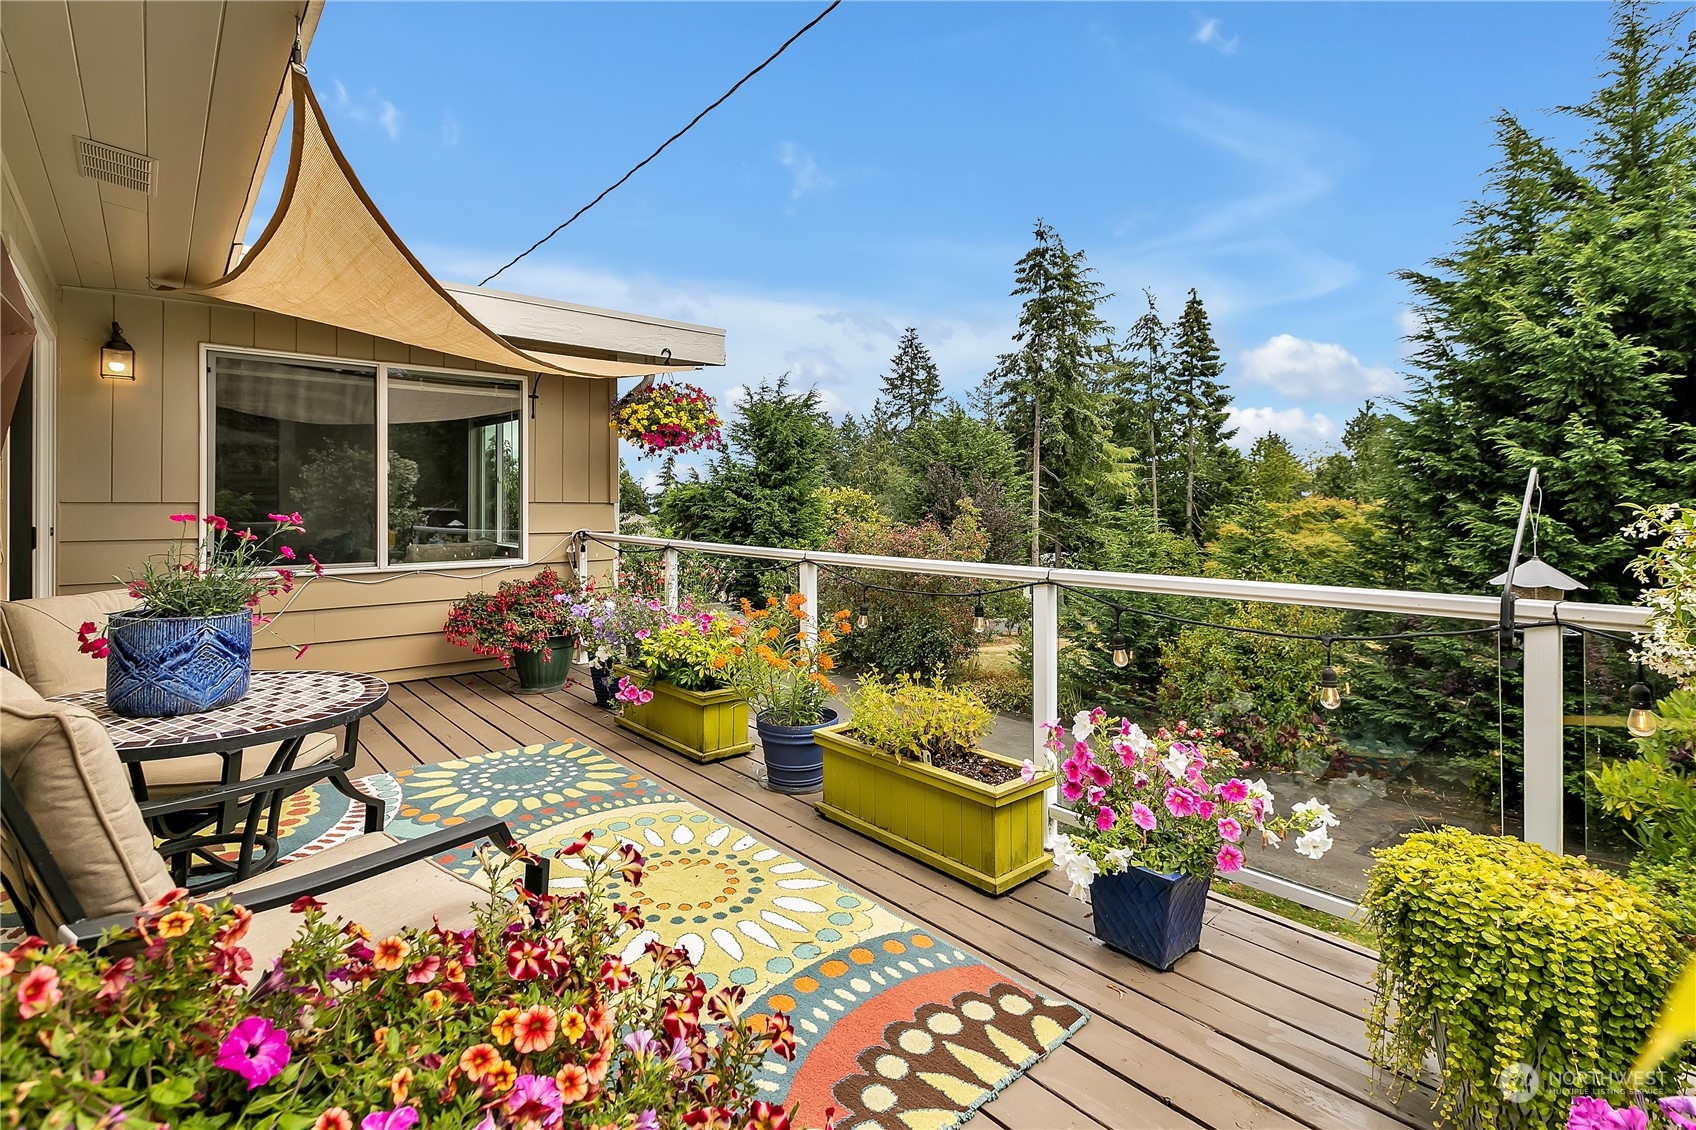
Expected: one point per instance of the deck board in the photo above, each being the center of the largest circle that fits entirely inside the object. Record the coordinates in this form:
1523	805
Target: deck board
1262	1028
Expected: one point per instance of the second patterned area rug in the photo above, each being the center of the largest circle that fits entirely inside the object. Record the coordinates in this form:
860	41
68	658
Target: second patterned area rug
897	1026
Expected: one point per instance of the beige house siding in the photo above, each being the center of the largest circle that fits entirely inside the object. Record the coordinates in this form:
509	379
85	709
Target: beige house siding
130	455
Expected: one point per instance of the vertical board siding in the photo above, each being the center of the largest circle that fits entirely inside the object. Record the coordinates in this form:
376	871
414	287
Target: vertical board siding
132	455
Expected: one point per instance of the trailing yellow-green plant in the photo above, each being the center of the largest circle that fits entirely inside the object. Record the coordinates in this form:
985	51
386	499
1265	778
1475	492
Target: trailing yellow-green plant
1517	957
692	650
918	718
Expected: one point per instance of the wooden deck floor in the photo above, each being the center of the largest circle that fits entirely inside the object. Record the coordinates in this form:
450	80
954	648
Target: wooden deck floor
1261	1028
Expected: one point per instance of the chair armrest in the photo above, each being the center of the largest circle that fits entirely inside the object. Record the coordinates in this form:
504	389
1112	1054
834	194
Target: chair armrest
286	890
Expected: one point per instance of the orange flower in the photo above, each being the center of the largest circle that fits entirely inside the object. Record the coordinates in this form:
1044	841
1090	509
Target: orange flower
478	1060
237	929
7	964
390	953
573	1084
599	1064
336	1118
380	1035
501	1027
398	1083
826	638
826	663
433	1000
771	633
572	1025
534	1029
175	924
454	971
499	1078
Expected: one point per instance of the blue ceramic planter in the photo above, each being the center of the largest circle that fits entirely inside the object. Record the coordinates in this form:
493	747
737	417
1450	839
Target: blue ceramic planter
159	668
601	678
794	762
1153	917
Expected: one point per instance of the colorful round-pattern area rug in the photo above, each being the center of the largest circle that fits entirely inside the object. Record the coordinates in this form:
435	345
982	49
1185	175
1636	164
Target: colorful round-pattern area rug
897	1026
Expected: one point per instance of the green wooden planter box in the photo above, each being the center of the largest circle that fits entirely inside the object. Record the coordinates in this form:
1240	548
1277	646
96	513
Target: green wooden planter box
987	835
701	725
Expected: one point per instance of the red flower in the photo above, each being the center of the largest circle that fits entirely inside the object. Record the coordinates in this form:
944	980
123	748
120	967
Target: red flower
525	960
317	567
766	1116
117	976
285	552
533	1029
217	523
781	1033
38	991
185	517
301	650
303	904
615	975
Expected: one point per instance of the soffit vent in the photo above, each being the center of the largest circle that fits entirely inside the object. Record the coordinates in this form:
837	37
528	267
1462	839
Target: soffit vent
116	166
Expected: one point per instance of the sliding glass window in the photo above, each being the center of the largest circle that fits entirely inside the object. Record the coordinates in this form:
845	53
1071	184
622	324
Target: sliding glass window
303	435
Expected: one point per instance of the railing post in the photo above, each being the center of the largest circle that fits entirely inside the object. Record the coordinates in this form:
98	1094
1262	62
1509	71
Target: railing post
582	562
1545	785
1045	680
671	579
809	574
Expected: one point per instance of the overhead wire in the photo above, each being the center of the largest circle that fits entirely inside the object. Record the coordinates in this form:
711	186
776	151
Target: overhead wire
667	142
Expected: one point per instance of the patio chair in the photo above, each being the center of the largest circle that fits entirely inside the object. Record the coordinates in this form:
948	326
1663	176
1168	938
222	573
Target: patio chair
39	642
78	860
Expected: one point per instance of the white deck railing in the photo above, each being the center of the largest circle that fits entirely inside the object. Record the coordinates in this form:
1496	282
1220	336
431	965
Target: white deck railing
1540	621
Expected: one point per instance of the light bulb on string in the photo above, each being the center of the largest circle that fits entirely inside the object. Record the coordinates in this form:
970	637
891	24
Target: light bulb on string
1330	694
865	613
1640	720
1121	648
978	618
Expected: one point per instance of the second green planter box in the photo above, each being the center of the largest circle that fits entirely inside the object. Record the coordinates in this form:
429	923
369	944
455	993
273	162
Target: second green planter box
701	725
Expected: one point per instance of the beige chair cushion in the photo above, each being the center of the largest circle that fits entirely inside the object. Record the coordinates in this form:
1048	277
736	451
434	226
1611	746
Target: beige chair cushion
175	776
39	639
407	896
69	779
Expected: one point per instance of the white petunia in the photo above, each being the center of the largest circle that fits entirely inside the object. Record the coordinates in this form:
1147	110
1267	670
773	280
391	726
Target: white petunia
1313	844
1082	726
1080	870
1118	859
1140	742
1315	814
1271	838
1177	763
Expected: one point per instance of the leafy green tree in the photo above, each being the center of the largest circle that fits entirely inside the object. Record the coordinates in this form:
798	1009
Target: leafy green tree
1274	473
1561	330
1212	468
1048	389
1363	469
862	456
912	389
953	458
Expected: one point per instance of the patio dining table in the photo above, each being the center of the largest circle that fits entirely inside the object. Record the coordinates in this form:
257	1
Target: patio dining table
285	707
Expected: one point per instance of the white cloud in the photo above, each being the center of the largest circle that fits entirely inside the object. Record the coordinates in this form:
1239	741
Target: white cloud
1209	35
1314	370
1303	431
368	109
802	165
450	130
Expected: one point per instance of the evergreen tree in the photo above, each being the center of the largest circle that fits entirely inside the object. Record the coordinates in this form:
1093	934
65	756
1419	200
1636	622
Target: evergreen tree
912	388
1048	393
1273	472
632	499
764	489
1145	415
1363	469
1560	332
1211	467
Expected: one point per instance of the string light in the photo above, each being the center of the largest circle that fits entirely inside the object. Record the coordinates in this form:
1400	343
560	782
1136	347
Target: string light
1121	649
978	617
1330	696
1640	720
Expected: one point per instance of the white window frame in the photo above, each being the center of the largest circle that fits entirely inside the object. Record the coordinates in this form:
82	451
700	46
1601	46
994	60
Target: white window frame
207	349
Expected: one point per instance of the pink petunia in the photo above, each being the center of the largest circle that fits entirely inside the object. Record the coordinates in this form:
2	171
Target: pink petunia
1142	816
1180	802
1234	791
1072	790
1104	819
1230	829
1205	809
1027	771
1230	858
256	1050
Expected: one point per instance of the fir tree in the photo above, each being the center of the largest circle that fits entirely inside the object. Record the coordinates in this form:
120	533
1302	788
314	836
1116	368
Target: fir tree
1211	467
1048	393
1145	414
1560	333
912	387
632	499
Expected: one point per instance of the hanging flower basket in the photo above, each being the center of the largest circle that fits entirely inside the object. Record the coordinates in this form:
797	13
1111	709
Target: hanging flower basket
668	419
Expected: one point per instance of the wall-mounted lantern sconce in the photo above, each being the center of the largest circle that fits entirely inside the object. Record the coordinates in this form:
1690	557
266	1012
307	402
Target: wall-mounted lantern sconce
117	357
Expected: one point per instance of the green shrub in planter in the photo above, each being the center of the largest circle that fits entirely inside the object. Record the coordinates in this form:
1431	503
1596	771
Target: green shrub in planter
1514	955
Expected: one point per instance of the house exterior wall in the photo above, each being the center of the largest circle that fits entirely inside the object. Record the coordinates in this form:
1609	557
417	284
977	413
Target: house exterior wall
132	454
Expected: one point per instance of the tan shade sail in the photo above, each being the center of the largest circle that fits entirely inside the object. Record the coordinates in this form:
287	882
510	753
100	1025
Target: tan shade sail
329	256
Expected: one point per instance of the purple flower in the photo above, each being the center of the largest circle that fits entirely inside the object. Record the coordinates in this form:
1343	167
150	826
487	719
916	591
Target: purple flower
1597	1114
1680	1111
642	1043
535	1098
256	1050
400	1118
647	1120
1142	816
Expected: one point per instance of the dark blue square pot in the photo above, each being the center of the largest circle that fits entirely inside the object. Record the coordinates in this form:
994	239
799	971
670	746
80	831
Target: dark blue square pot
159	667
1153	917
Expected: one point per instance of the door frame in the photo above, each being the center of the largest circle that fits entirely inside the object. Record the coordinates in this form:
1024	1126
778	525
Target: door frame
44	372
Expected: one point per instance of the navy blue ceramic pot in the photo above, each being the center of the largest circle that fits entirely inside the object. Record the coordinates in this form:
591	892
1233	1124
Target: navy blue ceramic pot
794	762
159	667
1153	917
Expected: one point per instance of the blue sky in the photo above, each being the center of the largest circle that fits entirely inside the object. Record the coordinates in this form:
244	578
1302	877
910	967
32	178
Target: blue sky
1283	159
